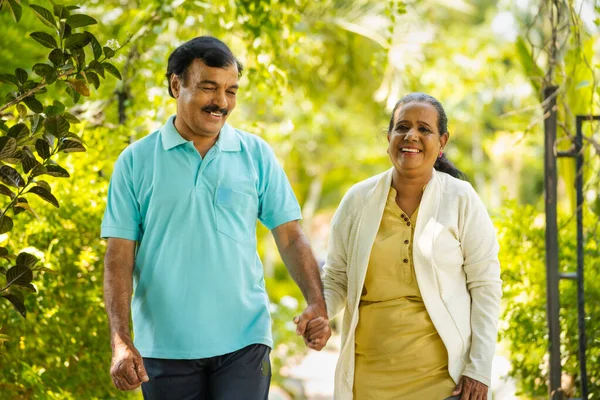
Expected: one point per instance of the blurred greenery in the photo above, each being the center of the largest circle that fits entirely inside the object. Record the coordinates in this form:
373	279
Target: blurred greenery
524	326
319	84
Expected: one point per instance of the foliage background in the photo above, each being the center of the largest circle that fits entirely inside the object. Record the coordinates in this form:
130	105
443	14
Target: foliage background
320	80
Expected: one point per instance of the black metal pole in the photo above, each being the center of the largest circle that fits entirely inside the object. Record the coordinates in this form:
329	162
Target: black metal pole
580	245
552	275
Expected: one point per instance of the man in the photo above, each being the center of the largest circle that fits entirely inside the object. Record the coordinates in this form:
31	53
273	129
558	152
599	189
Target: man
180	222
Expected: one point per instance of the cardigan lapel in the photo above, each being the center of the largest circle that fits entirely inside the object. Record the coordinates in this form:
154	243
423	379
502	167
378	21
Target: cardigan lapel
426	230
368	228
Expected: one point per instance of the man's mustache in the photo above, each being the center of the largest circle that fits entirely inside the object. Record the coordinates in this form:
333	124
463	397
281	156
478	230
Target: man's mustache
215	109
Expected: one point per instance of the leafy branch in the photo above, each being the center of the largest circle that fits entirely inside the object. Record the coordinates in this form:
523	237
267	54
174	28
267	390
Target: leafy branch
36	133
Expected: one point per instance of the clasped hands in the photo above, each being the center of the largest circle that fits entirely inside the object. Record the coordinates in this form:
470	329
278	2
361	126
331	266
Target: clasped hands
313	325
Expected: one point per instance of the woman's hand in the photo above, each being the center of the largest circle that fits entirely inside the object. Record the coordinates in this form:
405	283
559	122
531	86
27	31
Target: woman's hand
316	331
470	389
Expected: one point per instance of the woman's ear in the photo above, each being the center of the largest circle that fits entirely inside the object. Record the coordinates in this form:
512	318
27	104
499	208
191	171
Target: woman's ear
444	140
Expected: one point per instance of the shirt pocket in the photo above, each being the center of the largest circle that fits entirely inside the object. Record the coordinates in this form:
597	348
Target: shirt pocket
235	214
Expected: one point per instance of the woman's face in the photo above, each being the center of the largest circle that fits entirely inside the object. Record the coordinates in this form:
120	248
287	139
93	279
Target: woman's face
414	141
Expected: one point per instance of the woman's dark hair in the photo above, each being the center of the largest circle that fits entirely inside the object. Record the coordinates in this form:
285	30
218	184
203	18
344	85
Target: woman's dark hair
442	164
210	50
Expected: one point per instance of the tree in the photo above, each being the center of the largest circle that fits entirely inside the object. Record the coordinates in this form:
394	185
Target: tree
34	135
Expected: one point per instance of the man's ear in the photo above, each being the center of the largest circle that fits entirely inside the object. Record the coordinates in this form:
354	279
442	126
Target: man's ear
175	85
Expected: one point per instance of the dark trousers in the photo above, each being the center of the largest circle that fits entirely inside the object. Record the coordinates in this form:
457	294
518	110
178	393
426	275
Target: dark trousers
242	375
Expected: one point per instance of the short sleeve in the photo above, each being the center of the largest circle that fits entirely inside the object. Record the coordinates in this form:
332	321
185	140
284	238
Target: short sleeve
277	202
122	217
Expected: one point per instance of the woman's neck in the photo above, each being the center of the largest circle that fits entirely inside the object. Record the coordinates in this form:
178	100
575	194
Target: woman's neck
409	185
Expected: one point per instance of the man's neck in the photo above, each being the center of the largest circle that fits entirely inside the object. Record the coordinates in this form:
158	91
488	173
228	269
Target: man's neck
202	143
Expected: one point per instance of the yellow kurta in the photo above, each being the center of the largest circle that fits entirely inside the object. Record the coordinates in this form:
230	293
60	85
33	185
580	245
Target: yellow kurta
399	354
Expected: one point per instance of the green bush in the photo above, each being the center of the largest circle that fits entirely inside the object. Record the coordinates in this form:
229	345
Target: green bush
524	325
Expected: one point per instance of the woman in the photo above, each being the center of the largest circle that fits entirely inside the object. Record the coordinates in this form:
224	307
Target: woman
413	259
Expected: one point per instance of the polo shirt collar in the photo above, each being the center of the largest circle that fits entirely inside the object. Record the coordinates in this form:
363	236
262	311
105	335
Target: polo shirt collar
170	137
228	139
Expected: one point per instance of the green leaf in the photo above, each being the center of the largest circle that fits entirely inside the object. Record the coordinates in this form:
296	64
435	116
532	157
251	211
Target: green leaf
98	67
532	70
79	86
56	126
15	158
28	160
9	78
15	10
44	70
71	118
65	30
33	104
79	55
71	8
26	259
74	95
56	57
60	11
7	192
23	205
35	123
71	146
8	146
96	47
51	111
112	70
17	300
11	177
93	79
10	96
77	41
56	171
79	20
21	75
43	148
18	131
3	252
6	224
30	84
43	184
44	15
44	194
19	275
60	107
44	39
22	110
108	52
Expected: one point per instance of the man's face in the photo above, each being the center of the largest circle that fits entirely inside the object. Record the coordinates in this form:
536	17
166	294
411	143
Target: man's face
205	98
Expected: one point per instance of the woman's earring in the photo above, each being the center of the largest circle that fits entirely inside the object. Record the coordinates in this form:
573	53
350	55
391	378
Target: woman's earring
441	154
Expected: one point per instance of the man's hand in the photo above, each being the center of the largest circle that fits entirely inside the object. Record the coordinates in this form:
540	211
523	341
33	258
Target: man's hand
470	389
127	367
313	325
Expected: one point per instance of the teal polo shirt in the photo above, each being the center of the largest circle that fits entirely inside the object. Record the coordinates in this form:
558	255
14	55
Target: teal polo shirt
199	288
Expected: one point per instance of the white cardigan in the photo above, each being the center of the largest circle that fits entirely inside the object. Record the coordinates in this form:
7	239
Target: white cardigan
455	254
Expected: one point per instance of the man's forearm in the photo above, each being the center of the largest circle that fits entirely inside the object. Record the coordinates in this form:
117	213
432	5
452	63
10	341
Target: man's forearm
302	266
118	288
